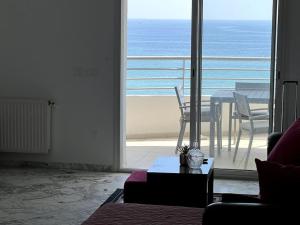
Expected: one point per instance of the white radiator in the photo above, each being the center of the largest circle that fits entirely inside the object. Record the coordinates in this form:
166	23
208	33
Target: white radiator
25	125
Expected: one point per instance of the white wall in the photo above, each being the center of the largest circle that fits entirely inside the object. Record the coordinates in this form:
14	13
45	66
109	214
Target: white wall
68	51
152	117
158	117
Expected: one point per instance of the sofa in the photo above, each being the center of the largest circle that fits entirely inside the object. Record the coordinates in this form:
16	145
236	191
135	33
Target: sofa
234	209
237	209
140	214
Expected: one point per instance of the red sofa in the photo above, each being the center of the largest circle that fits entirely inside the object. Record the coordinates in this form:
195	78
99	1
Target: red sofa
233	210
133	214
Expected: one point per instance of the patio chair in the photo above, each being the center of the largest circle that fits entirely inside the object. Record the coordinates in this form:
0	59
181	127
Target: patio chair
185	115
244	86
248	121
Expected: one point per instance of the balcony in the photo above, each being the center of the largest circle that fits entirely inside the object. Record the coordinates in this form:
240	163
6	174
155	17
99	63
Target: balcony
152	113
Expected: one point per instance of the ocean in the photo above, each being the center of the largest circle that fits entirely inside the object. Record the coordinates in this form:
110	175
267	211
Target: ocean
220	39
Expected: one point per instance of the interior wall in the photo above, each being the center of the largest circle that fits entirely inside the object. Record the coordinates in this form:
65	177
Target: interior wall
288	59
67	51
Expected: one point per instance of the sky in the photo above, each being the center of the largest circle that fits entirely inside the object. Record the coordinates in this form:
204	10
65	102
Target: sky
213	9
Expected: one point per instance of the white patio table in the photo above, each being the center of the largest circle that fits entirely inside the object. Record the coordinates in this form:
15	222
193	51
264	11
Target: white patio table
226	96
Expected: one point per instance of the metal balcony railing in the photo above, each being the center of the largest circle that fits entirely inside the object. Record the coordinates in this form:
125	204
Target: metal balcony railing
159	74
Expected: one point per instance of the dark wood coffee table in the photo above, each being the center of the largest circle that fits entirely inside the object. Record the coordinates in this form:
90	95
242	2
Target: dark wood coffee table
177	185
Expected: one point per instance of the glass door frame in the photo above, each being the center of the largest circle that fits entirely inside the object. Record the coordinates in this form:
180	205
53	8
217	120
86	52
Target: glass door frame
196	71
196	82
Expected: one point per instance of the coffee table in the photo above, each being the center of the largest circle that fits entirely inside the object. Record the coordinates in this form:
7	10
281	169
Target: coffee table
178	185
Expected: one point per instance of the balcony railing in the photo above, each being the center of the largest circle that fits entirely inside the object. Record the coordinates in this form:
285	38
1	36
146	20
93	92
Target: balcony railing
155	75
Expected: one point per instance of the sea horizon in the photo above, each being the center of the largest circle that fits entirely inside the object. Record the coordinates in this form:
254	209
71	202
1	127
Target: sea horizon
190	19
171	37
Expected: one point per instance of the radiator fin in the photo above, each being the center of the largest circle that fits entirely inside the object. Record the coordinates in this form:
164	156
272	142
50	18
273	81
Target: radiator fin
24	125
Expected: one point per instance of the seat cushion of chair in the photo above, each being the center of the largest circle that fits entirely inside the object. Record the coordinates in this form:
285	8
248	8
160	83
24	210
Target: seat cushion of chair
205	115
262	112
186	115
260	126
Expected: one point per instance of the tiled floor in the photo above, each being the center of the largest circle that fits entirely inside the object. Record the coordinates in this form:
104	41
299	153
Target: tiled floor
141	153
53	197
32	196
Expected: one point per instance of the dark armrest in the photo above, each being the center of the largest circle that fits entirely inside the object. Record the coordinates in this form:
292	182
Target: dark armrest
272	140
243	213
239	198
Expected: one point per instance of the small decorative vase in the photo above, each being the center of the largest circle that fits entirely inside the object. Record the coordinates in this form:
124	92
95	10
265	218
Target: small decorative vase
195	157
183	159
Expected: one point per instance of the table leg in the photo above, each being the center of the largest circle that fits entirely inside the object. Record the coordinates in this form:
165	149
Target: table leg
230	126
212	128
210	190
202	194
219	120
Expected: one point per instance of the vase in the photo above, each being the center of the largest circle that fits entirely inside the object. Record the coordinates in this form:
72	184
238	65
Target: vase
195	157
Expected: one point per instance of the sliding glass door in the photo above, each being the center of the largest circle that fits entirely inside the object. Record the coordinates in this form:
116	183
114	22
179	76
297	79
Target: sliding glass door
158	60
209	49
232	70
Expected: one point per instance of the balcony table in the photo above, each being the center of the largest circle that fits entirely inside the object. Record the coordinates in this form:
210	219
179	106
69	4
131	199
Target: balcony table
226	96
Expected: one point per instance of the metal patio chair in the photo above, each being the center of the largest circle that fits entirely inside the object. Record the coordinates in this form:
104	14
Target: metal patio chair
184	108
244	86
248	121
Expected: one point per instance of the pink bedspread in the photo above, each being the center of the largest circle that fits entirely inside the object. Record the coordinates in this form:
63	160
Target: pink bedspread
122	213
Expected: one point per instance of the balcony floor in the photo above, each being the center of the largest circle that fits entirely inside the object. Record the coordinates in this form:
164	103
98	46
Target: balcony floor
141	153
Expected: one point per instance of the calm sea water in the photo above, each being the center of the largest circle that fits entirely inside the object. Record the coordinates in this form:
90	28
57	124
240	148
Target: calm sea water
220	38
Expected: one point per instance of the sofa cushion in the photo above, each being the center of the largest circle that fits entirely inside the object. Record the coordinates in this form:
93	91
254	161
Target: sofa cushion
278	183
287	149
136	188
137	176
133	214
